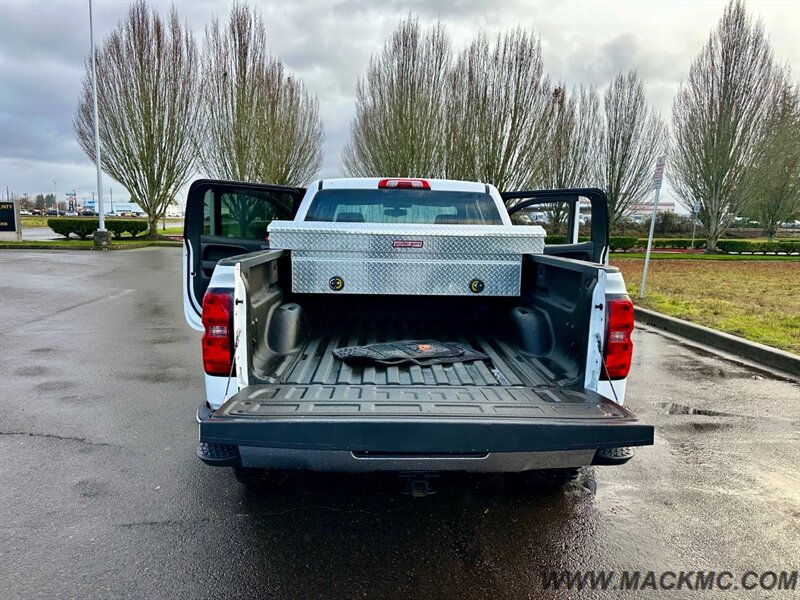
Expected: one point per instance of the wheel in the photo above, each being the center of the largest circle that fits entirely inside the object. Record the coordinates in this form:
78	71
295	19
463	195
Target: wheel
259	477
549	478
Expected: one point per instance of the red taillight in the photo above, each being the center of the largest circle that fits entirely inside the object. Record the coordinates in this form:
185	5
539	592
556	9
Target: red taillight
619	347
217	348
404	184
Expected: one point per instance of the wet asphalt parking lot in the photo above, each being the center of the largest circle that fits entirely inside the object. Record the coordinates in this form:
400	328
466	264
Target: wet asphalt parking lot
101	495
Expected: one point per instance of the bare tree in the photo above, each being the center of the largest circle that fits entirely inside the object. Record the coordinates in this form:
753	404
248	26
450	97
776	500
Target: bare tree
633	137
259	124
719	119
399	127
776	176
147	103
498	112
573	140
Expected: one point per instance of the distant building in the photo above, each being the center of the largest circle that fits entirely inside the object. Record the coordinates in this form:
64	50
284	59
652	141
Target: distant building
127	207
645	209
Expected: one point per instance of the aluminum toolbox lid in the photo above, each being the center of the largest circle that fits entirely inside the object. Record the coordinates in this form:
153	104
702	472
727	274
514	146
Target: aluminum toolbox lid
407	239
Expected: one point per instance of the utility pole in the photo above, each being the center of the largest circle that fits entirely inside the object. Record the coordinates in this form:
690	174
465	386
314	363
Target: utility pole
658	177
101	238
695	210
55	196
111	197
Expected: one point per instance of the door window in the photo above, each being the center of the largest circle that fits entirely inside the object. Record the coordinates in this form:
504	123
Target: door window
242	215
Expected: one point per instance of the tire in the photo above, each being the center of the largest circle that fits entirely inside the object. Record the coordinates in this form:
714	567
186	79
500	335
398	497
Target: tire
543	479
259	478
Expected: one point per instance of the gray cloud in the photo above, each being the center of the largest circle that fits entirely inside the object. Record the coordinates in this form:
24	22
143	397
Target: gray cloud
328	44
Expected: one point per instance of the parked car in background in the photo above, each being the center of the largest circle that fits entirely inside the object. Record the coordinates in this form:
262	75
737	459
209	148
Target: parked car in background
88	213
745	222
54	213
72	213
25	213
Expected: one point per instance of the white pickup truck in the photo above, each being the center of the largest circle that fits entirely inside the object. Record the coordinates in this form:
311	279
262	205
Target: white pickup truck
405	325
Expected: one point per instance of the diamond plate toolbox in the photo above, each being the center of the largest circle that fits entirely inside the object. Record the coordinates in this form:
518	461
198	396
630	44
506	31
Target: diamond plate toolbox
381	258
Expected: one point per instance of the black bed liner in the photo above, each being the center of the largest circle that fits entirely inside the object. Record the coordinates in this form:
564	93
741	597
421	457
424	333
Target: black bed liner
507	403
506	366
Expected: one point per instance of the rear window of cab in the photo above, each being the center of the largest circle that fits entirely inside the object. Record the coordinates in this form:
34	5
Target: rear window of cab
404	206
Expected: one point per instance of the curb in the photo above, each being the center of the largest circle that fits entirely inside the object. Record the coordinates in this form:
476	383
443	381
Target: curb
766	355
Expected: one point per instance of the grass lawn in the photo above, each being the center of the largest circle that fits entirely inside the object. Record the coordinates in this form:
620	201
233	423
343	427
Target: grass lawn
700	256
76	244
34	221
755	299
171	230
41	221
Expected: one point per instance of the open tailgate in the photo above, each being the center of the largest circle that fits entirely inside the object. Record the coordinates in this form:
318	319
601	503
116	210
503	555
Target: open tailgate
422	419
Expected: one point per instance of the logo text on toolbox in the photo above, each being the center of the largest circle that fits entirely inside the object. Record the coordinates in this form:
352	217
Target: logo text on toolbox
407	244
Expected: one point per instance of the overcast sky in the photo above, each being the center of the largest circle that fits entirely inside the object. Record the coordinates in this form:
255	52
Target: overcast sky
328	44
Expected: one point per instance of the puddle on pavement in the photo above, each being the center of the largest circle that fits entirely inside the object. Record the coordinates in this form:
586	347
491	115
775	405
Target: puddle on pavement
694	427
706	427
731	368
46	350
699	370
671	408
765	423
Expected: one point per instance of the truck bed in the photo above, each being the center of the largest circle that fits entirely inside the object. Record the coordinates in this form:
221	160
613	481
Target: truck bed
507	403
426	419
505	366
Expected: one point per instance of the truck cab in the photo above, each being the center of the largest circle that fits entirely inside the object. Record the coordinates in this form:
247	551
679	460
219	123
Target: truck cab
284	282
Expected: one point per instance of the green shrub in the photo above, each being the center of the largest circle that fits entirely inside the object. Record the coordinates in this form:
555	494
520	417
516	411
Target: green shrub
258	229
555	239
673	243
135	227
562	239
734	246
116	227
132	226
61	226
622	243
615	243
788	246
83	228
737	246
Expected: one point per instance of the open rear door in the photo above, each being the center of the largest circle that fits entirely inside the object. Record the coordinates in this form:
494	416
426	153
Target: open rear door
547	206
225	219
